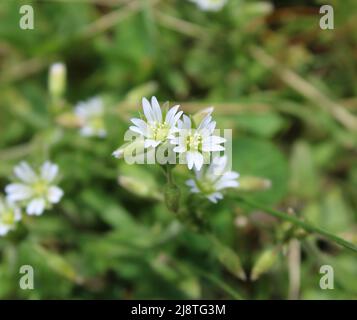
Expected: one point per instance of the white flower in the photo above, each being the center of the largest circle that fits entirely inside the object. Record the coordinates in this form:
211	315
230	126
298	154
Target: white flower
194	144
212	180
210	5
35	190
9	215
156	130
91	116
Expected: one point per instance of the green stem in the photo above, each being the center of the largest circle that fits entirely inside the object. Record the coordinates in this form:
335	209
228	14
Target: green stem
169	175
224	286
304	225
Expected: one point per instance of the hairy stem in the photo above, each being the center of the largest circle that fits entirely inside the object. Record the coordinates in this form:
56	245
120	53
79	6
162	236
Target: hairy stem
302	224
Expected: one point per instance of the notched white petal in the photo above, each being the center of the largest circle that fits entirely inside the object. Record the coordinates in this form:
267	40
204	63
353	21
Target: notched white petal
18	192
49	171
36	207
54	194
24	172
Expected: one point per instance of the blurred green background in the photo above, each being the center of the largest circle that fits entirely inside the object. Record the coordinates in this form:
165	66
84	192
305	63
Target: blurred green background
287	89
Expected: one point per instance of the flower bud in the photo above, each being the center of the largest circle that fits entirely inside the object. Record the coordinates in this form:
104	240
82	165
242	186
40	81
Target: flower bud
200	115
228	258
138	187
264	263
254	183
68	120
57	80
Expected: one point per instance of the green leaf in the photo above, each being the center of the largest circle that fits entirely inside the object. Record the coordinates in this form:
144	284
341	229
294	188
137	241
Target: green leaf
261	158
304	180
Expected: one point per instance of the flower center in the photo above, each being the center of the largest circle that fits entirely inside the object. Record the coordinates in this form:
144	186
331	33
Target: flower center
39	188
205	186
194	142
8	218
159	131
96	123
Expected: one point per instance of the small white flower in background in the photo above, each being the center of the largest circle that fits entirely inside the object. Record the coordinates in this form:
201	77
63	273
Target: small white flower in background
212	180
194	144
210	5
91	117
156	129
9	215
35	191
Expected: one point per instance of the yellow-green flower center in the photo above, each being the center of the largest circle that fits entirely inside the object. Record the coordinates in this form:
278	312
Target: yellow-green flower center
96	123
40	188
205	186
159	131
8	218
194	142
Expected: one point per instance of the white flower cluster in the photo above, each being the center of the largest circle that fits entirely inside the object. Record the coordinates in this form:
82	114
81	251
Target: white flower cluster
210	5
193	143
91	117
35	191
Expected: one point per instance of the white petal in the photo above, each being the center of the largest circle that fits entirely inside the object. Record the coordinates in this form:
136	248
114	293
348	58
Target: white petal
49	171
186	124
147	110
175	140
4	229
156	109
192	184
214	197
222	184
17	213
231	175
18	192
198	160
25	173
102	133
86	131
190	157
54	194
214	140
179	124
80	110
136	130
206	120
177	117
151	143
36	207
95	106
180	149
118	153
170	115
211	126
141	124
212	148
